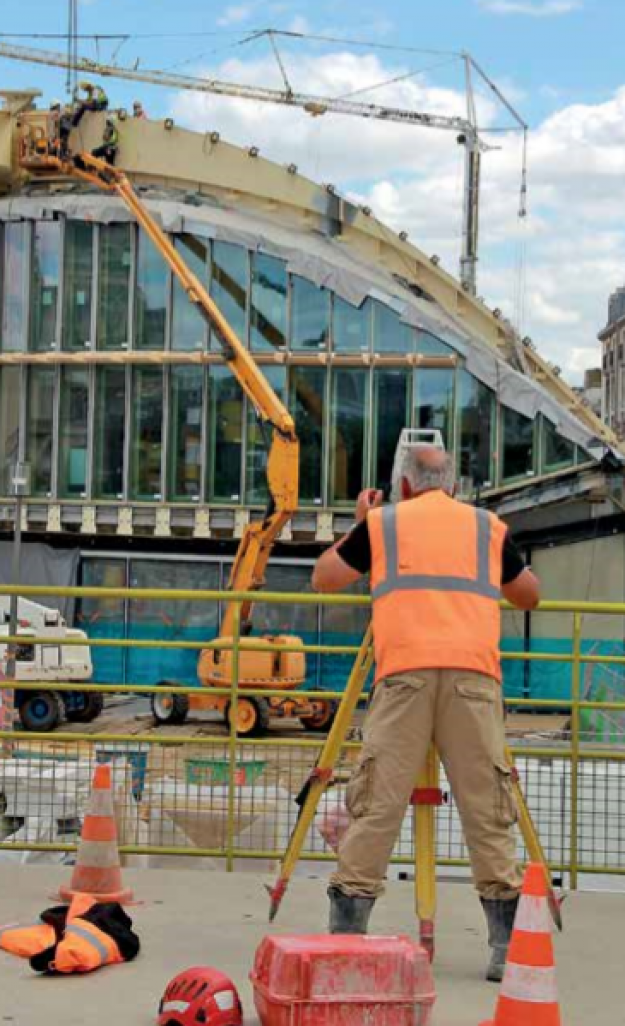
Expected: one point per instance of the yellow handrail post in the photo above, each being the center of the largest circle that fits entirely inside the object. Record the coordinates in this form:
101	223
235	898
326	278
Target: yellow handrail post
575	717
232	736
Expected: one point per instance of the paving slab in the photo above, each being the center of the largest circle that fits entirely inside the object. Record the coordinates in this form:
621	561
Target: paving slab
189	918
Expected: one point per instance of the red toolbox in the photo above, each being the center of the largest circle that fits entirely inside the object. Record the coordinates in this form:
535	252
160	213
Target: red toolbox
342	980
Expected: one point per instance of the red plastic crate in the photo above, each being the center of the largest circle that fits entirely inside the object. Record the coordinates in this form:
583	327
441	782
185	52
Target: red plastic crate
342	980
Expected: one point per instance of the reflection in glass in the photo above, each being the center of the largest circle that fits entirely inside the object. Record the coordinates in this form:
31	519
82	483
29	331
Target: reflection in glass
15	286
518	444
45	284
108	460
40	428
147	432
229	285
352	326
185	426
391	416
188	326
258	440
347	441
73	432
9	425
310	315
476	406
430	345
298	620
77	277
104	617
114	285
150	295
268	312
307	402
389	334
434	401
558	451
224	435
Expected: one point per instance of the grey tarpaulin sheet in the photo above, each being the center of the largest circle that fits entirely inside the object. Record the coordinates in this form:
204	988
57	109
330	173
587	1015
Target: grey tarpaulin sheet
327	262
41	564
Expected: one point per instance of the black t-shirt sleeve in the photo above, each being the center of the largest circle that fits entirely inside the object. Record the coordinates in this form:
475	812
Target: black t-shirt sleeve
512	562
355	549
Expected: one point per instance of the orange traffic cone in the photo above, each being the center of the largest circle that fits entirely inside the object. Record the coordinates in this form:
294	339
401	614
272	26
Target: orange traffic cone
528	995
97	871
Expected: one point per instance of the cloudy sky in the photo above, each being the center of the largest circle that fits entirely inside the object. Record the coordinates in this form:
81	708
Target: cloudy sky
559	62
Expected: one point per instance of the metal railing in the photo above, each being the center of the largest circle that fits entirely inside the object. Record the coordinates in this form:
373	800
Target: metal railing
214	796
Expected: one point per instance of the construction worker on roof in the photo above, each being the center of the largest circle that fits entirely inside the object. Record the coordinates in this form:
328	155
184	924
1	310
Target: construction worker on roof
437	570
137	110
110	143
95	100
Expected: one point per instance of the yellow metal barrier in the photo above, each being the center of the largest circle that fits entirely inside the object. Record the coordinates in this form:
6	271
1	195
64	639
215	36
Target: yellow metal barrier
242	806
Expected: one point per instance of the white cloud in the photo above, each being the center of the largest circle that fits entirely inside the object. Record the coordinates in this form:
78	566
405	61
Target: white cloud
532	8
574	238
236	14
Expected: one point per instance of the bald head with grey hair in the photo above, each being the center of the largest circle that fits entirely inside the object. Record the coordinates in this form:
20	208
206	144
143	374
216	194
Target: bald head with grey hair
422	468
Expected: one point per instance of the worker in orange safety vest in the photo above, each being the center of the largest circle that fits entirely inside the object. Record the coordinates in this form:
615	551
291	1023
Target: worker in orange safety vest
438	568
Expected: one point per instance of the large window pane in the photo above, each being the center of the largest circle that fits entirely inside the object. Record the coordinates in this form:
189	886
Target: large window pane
185	432
352	326
430	345
307	402
310	315
224	435
15	286
558	451
268	314
170	621
188	325
229	284
476	406
391	415
349	416
39	428
150	295
104	618
110	410
518	444
389	334
147	433
78	274
302	621
256	454
434	401
45	284
73	432
114	285
9	424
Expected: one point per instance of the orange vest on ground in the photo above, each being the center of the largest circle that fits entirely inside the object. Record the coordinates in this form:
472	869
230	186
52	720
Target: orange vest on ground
84	947
435	584
26	941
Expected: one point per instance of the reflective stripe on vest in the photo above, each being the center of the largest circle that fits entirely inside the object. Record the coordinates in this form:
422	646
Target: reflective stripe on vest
89	938
394	581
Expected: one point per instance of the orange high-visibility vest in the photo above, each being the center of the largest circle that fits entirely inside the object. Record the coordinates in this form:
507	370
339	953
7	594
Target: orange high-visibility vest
84	947
435	583
26	941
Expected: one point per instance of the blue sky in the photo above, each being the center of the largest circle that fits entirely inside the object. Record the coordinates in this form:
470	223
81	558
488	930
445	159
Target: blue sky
559	61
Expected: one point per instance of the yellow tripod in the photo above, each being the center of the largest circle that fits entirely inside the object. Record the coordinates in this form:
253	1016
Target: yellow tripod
426	797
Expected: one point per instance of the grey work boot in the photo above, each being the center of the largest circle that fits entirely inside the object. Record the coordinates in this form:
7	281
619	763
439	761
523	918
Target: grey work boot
348	915
500	913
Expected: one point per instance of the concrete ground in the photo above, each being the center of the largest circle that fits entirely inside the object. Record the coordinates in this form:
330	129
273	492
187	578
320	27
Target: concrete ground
189	918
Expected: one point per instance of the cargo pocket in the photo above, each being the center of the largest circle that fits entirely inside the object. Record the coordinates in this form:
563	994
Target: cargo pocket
506	811
359	791
479	691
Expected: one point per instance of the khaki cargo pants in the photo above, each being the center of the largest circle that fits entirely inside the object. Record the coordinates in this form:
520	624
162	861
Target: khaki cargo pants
462	713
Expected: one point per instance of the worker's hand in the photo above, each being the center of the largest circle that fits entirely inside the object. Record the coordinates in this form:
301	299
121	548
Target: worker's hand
368	499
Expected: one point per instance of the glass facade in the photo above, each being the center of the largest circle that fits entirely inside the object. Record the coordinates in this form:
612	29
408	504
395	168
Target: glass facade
73	432
258	440
150	296
77	280
389	334
310	315
185	433
307	389
40	428
109	434
9	423
518	444
352	326
347	436
392	414
188	328
476	408
230	284
557	451
268	309
146	435
45	275
115	250
434	401
14	323
225	407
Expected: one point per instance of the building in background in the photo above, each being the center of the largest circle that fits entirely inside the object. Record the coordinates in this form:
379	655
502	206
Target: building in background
591	392
146	459
612	339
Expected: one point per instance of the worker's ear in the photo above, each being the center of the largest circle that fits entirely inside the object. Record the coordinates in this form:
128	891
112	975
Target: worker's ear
406	490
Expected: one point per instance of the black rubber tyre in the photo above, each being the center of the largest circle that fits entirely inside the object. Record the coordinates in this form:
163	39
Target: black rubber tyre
40	711
254	717
168	709
321	723
91	705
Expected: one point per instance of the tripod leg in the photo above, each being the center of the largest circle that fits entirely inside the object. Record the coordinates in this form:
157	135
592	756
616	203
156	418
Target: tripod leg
322	773
426	797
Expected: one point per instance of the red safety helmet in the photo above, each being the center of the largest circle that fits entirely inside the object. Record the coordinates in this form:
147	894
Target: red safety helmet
200	995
